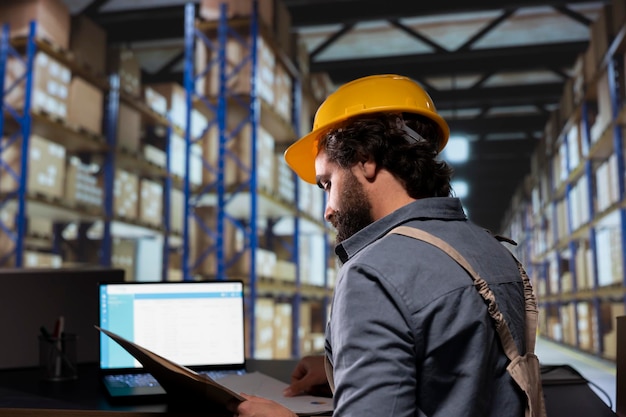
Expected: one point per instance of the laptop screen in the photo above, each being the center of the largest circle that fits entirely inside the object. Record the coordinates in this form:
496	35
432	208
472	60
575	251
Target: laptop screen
192	323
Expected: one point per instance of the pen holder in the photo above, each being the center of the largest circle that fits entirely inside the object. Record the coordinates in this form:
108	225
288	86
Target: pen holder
57	357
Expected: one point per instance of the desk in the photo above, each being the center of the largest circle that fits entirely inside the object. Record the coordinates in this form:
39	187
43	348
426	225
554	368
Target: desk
567	394
23	395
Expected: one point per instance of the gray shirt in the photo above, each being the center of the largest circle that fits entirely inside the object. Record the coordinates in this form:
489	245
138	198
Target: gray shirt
409	335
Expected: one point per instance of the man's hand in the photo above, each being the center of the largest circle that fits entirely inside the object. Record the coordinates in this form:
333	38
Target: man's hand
309	377
259	407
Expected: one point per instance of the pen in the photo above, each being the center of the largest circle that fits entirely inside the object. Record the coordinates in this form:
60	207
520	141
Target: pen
58	331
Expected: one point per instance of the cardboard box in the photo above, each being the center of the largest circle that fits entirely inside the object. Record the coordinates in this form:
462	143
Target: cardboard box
273	14
282	331
605	110
176	101
39	226
155	155
284	180
203	244
265	146
34	259
211	10
151	202
52	17
155	101
177	210
283	96
85	105
124	62
50	89
285	38
123	255
126	195
81	183
88	42
239	82
321	85
46	167
128	128
264	334
178	159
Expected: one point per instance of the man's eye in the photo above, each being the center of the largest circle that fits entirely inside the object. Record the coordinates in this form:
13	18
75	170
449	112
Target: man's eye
324	185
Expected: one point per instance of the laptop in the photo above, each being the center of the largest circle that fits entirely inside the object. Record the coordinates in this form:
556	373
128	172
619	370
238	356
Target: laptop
198	324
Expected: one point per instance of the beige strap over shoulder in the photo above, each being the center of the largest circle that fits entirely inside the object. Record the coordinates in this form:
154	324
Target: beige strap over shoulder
524	370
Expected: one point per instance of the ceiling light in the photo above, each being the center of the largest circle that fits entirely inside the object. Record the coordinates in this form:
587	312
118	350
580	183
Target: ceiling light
457	149
460	188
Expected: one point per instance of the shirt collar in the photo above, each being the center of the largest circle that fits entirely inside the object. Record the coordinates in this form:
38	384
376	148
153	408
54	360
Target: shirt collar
440	208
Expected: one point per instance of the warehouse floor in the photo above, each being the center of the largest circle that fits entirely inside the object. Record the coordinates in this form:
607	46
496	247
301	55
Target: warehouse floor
601	373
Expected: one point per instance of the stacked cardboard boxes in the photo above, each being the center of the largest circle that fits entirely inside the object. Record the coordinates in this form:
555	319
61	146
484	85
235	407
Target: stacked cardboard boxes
52	17
82	186
576	228
150	202
126	195
50	86
46	167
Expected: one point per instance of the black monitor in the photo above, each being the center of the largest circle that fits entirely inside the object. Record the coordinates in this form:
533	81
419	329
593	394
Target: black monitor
35	297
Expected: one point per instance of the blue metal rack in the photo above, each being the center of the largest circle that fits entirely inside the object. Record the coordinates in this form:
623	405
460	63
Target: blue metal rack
112	112
218	188
613	63
18	198
16	233
220	106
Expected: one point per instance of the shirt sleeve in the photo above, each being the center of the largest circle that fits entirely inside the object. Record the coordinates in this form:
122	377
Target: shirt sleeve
373	348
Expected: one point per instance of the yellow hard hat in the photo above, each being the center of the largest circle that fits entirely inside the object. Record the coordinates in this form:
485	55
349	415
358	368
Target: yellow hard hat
372	94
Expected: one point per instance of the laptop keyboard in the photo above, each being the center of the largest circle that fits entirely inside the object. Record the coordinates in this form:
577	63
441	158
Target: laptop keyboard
215	375
132	380
147	380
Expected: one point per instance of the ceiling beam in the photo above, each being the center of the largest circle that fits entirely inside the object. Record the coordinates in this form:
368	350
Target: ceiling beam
470	62
580	18
516	95
486	29
311	13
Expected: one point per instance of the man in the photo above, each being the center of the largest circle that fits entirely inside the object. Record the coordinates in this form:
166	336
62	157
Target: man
409	334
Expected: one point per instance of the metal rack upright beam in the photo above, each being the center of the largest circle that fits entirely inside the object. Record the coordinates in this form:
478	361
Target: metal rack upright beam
108	168
218	188
17	235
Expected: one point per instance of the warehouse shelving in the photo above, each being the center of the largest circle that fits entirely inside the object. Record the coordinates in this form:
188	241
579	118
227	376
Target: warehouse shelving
245	204
575	223
76	141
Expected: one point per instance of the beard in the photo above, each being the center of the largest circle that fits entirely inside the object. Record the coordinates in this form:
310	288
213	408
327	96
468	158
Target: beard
355	212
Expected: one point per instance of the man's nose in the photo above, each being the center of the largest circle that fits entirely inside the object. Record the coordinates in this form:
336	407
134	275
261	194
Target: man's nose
328	213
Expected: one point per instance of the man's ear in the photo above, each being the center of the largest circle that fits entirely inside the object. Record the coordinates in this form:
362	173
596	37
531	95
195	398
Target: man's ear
369	169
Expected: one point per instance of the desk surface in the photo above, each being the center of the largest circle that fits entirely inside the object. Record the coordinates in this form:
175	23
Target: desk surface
22	394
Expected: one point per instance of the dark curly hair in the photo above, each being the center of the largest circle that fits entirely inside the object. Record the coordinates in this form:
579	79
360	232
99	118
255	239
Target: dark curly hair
379	137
